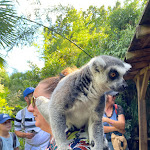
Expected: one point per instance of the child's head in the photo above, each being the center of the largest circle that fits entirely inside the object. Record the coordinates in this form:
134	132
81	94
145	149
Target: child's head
5	122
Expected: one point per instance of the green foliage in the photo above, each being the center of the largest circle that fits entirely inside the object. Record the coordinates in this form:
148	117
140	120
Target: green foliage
58	61
4	108
122	22
119	42
97	30
7	23
22	143
4	78
77	26
128	100
18	83
15	29
2	62
120	17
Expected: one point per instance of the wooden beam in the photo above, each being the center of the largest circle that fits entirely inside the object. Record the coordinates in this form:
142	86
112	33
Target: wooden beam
141	81
146	41
142	71
145	83
141	118
131	75
138	53
142	30
137	66
136	70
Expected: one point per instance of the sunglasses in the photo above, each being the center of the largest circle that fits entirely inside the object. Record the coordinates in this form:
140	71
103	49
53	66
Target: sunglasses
33	100
6	122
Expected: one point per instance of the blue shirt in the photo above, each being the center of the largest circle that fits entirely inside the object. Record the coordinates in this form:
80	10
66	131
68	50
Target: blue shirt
8	143
114	116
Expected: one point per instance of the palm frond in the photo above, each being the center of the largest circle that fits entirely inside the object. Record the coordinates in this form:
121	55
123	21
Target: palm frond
7	23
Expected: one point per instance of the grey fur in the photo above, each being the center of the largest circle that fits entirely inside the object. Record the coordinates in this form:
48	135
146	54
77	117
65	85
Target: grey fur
78	99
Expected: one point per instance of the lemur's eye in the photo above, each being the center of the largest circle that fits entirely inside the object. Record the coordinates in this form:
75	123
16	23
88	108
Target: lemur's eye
113	74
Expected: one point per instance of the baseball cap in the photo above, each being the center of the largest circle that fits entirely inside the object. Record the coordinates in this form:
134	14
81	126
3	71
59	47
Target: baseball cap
4	117
112	93
28	91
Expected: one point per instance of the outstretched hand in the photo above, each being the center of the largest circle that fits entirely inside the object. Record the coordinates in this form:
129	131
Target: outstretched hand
29	135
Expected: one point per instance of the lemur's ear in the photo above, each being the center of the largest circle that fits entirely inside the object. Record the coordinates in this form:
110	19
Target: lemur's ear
127	66
97	64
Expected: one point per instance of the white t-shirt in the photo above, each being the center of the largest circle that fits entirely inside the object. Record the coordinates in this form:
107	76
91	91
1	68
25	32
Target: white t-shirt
8	143
29	125
41	138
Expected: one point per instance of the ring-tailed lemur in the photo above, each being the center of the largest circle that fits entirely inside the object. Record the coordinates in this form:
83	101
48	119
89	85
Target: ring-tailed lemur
78	100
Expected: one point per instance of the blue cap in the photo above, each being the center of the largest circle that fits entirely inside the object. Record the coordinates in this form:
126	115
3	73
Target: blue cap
4	117
28	91
112	93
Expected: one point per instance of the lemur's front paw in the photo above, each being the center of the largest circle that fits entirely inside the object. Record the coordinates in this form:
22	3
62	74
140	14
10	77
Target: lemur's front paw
42	104
41	100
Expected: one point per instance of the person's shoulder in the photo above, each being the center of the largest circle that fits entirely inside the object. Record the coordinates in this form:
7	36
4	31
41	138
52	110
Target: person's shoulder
19	112
15	139
13	135
119	106
120	109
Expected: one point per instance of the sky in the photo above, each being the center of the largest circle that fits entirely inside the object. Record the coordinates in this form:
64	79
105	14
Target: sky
17	59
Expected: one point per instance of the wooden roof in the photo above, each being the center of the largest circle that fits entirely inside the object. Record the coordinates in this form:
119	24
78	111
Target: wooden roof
138	54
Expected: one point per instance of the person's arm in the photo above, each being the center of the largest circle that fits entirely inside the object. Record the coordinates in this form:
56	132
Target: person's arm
108	129
120	124
24	135
18	128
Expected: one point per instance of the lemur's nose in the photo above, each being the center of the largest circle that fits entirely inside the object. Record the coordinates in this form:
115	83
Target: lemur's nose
124	85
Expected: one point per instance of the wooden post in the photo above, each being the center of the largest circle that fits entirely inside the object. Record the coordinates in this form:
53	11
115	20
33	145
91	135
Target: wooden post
141	84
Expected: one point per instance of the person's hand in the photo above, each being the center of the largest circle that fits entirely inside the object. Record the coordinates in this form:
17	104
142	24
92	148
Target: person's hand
104	119
29	135
121	131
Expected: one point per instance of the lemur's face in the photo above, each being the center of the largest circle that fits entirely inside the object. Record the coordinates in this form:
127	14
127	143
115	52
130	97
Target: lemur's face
108	72
111	78
115	79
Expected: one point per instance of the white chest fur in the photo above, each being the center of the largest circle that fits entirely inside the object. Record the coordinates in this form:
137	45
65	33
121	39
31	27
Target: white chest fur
80	113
